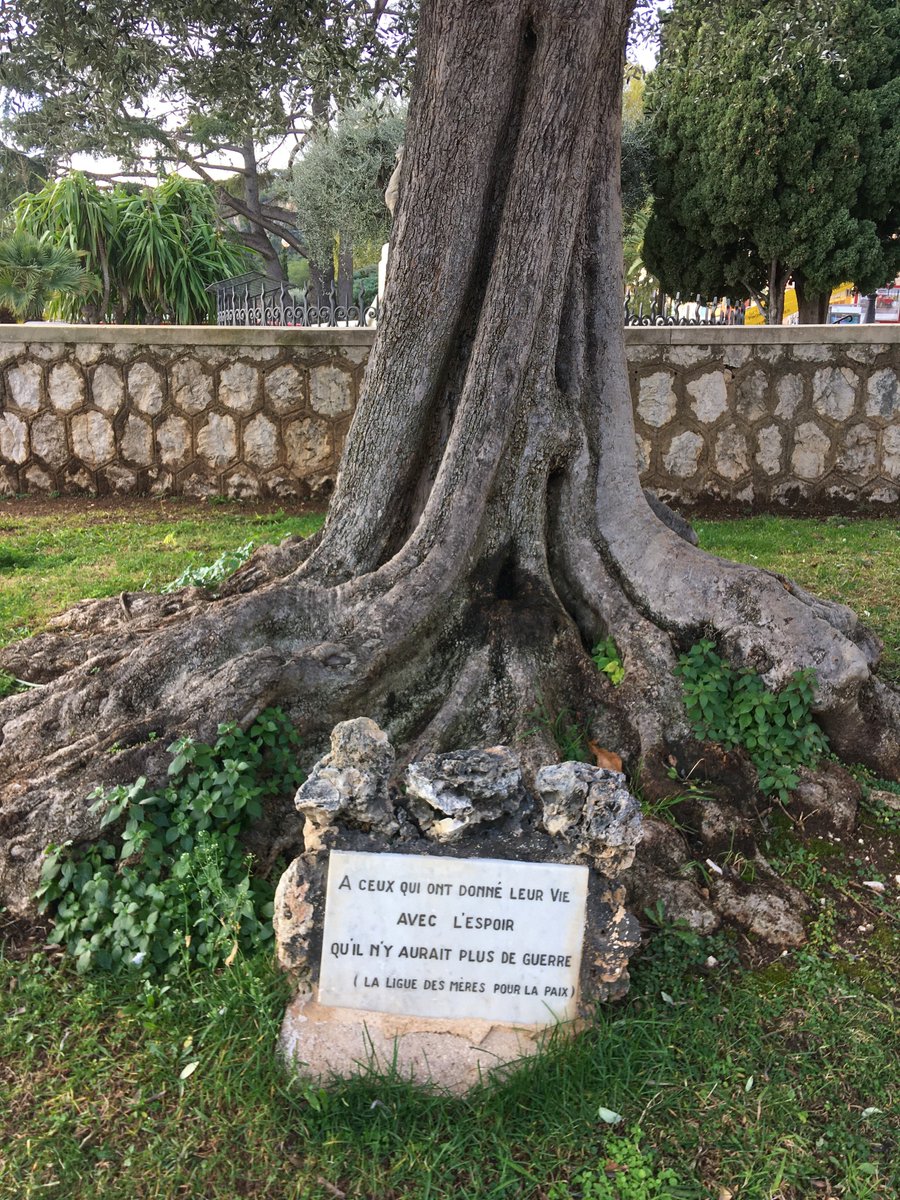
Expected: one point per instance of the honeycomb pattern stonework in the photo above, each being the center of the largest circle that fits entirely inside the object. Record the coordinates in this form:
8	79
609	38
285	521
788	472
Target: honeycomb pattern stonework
756	417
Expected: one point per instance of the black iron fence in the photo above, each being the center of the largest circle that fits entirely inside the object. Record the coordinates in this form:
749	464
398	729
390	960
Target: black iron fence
672	310
256	300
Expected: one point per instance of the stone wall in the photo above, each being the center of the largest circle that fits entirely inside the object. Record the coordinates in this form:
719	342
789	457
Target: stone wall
806	416
189	411
764	417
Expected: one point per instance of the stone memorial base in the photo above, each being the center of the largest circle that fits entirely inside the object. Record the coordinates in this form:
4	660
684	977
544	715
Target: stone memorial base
322	1042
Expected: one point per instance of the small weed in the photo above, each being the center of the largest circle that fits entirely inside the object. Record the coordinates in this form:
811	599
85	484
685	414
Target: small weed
567	730
226	564
735	708
176	886
629	1173
608	660
9	685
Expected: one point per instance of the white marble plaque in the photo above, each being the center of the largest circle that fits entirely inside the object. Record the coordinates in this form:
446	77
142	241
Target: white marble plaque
453	937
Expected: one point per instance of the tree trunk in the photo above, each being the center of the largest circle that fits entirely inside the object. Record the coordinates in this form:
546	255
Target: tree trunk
321	282
488	525
345	273
812	306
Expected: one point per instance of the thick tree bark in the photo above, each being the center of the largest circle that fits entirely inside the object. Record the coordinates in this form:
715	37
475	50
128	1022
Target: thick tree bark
488	524
812	306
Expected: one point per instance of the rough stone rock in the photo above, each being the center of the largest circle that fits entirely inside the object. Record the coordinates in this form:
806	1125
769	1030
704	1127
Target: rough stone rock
709	396
137	441
812	352
217	440
25	386
858	451
825	800
13	438
592	809
350	782
656	398
38	480
752	393
65	387
683	456
644	449
688	356
293	916
48	440
285	390
771	910
145	388
119	479
834	392
330	391
107	389
261	442
890	452
87	353
241	485
463	789
650	887
239	387
191	387
92	438
789	393
811	445
173	441
883	394
768	449
731	459
308	445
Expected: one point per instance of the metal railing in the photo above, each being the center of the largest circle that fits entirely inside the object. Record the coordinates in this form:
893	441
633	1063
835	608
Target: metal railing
672	310
256	301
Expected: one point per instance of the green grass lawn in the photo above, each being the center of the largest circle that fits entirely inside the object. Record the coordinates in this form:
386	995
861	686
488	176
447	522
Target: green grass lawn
773	1083
50	559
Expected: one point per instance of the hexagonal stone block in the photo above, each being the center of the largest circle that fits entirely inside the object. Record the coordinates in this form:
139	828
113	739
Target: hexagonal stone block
687	355
811	445
217	440
683	456
199	485
731	460
38	480
308	445
812	352
709	396
789	392
281	486
145	388
239	387
173	441
107	388
656	399
883	394
24	384
834	392
768	449
92	438
330	391
752	393
191	388
119	479
284	390
13	438
137	441
48	440
65	387
261	442
241	485
890	452
87	353
859	451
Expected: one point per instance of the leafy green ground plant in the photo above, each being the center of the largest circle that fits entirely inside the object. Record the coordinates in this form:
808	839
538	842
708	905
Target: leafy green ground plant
607	659
218	570
628	1173
177	886
734	707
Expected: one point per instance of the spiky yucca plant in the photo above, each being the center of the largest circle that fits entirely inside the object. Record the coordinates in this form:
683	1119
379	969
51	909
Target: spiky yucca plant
34	270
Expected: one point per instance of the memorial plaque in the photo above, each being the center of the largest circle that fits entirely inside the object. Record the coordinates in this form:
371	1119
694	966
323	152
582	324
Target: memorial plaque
453	937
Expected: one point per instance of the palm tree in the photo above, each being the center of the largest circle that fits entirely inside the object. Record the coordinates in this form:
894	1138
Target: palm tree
34	270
